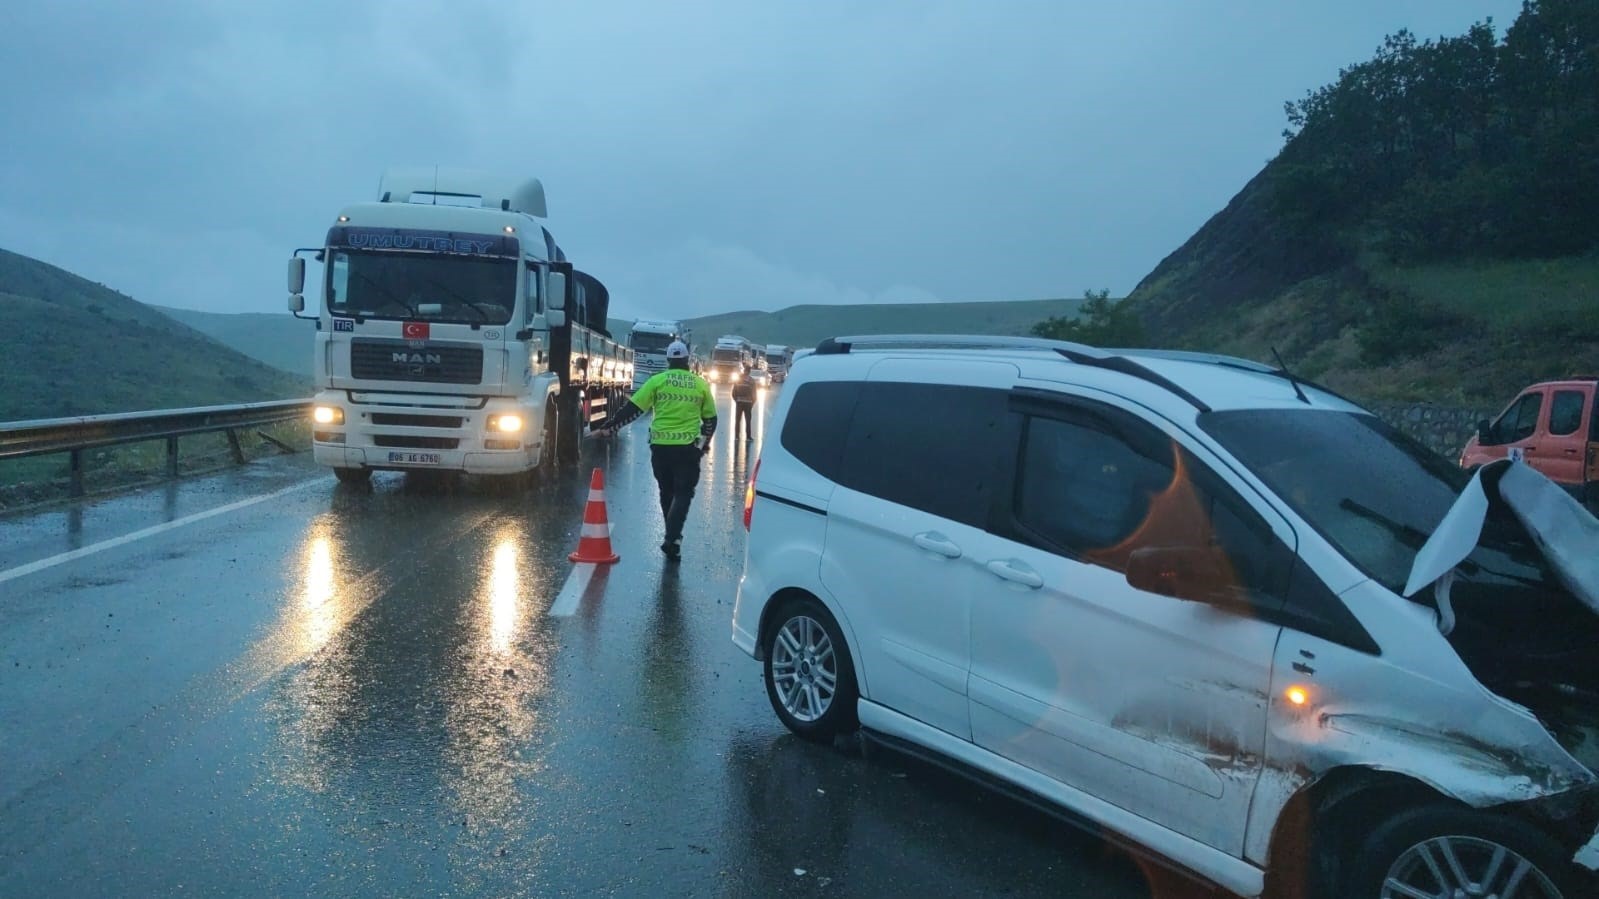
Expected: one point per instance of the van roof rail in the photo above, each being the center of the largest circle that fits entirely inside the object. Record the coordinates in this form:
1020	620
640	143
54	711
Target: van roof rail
1079	353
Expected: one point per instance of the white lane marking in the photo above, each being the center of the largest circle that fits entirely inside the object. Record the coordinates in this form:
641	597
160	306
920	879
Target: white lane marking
91	549
572	593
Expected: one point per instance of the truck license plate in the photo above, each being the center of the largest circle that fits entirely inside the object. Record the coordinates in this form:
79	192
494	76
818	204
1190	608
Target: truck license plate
415	458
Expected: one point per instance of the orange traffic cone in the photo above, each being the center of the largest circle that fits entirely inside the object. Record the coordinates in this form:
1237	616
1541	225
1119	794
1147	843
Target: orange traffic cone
595	544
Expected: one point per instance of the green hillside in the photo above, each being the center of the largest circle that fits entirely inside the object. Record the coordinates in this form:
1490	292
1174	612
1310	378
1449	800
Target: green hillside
1430	229
69	346
806	326
278	339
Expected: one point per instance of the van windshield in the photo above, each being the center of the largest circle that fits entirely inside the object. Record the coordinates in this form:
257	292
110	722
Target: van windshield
1373	492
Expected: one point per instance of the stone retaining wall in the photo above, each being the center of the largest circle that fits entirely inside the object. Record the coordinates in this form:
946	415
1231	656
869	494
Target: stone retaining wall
1444	429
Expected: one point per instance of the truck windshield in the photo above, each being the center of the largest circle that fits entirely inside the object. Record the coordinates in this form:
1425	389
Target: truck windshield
428	286
774	358
651	343
726	355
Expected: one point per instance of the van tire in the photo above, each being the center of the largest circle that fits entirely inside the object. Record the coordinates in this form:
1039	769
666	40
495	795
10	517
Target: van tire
1467	830
805	653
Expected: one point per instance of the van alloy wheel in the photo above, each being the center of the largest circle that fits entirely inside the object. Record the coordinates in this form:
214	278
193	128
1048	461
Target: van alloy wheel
1464	867
804	668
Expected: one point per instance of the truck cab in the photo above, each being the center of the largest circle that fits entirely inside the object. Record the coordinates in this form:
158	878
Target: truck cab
1551	426
453	333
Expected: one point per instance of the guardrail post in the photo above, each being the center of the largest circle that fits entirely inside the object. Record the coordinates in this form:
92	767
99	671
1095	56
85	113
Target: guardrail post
172	457
75	467
238	451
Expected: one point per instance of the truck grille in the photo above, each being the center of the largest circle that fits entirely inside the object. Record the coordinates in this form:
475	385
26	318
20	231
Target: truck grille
416	421
393	441
397	360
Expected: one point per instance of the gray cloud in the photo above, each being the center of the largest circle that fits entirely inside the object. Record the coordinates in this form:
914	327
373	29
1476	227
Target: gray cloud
698	156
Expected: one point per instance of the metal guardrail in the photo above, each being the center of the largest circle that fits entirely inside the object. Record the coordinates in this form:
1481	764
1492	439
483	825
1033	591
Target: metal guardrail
19	439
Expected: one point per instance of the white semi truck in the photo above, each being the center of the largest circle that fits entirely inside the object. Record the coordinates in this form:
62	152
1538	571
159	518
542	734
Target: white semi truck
453	333
731	355
778	359
649	340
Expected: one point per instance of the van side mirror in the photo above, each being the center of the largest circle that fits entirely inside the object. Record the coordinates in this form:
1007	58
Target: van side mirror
1485	433
297	276
1191	573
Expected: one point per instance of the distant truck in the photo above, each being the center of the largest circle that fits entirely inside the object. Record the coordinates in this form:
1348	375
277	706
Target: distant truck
729	358
649	340
454	334
1553	426
778	359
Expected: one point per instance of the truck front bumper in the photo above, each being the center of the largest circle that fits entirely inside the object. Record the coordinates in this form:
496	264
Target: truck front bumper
411	438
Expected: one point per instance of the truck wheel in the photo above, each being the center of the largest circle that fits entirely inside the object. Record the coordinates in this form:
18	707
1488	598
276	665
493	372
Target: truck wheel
549	451
353	475
570	428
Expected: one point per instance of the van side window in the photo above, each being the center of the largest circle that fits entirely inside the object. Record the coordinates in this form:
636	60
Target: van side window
1565	412
1098	487
932	447
1520	421
818	424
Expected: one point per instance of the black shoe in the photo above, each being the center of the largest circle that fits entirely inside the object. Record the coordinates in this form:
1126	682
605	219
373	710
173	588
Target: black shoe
672	549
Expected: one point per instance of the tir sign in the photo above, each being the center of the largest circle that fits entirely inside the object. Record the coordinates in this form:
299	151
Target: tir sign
415	330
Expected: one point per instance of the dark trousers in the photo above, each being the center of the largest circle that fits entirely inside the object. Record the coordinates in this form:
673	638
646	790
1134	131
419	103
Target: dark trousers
677	473
741	415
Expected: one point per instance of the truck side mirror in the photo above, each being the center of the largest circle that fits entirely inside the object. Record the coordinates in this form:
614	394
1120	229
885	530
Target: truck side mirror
555	317
297	277
557	287
296	303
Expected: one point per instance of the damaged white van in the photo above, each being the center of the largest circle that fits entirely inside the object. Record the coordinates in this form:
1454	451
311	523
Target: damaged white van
1218	613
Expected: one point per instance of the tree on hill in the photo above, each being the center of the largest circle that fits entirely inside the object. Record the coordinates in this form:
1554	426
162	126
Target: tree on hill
1101	322
1462	146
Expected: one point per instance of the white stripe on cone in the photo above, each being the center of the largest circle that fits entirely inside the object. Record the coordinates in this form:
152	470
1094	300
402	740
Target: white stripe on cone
596	530
596	496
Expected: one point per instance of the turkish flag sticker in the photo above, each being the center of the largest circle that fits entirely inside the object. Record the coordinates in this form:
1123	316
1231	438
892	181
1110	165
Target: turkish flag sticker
415	330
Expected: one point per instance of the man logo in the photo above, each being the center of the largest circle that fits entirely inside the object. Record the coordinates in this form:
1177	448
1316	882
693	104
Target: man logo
417	359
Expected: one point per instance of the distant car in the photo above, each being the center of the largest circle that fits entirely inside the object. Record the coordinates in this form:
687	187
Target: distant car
1167	593
760	377
1553	427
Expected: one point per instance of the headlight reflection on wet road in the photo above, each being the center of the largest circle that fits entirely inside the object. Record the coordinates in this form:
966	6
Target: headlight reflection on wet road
504	594
318	606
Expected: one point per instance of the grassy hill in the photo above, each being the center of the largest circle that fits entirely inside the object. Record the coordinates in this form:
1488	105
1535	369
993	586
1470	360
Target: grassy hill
69	346
278	339
806	326
1430	230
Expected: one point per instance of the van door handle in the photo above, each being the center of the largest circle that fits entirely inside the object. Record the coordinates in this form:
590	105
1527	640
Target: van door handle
934	542
1016	572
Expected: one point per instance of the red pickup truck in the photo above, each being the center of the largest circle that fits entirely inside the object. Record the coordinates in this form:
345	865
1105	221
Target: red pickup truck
1553	427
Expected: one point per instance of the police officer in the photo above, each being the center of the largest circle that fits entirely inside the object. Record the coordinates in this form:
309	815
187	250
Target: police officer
680	433
743	405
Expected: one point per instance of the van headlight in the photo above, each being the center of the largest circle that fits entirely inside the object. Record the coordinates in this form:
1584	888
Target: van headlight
508	423
327	415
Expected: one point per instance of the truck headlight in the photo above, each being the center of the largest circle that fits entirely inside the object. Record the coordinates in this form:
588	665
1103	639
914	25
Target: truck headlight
327	415
506	424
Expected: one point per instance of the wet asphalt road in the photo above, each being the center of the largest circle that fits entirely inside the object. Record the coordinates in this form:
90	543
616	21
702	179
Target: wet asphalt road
338	691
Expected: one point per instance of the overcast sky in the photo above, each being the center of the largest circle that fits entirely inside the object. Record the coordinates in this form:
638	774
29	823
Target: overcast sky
698	157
